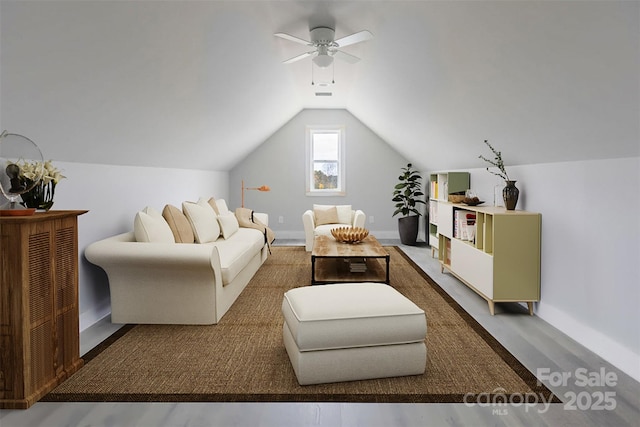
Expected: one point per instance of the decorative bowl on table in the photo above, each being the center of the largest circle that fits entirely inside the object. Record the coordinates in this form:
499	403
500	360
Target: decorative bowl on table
472	201
349	234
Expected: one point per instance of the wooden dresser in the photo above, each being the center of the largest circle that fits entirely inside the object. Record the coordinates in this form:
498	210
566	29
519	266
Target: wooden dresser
39	336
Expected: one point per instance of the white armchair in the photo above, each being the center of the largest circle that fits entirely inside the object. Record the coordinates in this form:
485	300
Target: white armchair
323	218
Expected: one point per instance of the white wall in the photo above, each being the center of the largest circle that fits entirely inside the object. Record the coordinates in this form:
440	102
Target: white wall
113	195
373	168
590	250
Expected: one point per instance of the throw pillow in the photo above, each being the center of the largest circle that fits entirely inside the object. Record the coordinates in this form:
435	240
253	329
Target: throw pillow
228	224
344	214
326	216
149	226
203	221
222	206
179	224
212	203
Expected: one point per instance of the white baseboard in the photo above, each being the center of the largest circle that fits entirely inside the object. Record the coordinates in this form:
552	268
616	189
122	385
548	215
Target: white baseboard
612	351
93	316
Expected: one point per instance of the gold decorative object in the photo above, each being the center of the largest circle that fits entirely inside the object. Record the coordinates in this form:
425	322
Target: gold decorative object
456	198
349	234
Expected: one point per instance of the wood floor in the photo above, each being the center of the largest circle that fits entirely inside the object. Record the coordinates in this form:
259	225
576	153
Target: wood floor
539	346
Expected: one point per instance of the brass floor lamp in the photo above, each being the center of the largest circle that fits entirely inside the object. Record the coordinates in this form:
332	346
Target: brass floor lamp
261	188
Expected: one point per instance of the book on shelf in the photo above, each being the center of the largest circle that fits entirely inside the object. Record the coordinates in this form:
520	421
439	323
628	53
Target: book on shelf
470	229
433	213
434	190
357	265
458	216
463	222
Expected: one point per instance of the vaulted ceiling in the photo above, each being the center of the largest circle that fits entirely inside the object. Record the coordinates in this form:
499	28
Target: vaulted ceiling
200	84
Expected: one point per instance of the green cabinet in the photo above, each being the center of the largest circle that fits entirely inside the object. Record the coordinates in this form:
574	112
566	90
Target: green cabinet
498	256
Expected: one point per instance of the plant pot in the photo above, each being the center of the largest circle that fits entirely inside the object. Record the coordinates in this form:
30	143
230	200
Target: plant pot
510	195
408	229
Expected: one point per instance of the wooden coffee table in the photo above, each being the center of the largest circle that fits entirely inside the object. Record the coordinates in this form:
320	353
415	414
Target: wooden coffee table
333	261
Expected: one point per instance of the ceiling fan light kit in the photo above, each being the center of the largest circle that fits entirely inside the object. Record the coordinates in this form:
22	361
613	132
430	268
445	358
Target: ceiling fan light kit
323	61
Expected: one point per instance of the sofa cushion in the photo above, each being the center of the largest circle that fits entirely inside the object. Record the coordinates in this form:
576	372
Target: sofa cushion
179	224
228	224
150	226
236	252
325	230
325	215
344	212
203	221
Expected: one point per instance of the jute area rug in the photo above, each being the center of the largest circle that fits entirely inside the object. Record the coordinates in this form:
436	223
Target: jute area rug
243	357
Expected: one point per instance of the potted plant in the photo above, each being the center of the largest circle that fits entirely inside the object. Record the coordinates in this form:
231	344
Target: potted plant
407	195
510	193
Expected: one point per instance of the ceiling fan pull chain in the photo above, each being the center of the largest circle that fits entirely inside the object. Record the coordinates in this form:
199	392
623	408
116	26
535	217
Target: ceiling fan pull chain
312	81
333	77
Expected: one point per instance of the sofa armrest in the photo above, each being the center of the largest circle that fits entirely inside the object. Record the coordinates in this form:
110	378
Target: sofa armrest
125	260
262	217
359	218
122	251
308	221
160	282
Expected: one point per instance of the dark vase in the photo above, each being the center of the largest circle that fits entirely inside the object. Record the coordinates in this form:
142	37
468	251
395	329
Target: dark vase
510	195
40	196
408	228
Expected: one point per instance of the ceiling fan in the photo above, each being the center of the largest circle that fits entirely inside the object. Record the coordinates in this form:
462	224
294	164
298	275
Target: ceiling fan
326	48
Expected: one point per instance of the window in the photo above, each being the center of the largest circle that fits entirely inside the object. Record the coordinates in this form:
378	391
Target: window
325	161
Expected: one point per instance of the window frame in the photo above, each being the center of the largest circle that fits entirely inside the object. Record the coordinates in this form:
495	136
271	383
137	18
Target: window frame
311	130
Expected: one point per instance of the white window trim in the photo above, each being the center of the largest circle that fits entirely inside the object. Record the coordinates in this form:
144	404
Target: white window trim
342	178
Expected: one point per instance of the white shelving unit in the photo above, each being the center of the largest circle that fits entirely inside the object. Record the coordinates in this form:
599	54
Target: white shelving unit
441	185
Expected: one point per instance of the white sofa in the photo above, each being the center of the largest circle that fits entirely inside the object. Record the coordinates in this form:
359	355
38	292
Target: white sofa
153	279
323	218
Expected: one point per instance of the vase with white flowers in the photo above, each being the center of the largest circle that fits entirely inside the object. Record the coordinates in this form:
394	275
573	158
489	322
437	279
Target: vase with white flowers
510	193
41	195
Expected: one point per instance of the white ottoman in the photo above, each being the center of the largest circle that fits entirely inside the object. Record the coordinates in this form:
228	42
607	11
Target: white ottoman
353	331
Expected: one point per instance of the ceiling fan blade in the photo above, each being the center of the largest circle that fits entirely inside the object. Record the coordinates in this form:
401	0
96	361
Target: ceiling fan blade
346	57
299	57
358	37
293	39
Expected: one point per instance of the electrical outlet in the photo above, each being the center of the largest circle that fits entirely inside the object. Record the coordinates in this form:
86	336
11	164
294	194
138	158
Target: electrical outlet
371	219
280	219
